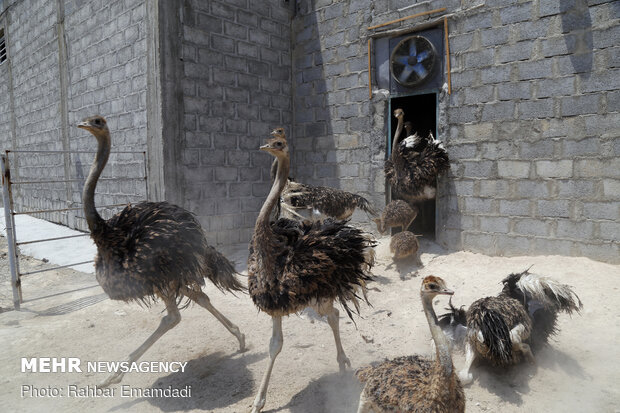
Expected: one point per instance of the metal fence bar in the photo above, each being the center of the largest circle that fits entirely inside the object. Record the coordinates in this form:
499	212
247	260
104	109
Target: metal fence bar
41	211
10	231
34	151
51	239
54	181
55	268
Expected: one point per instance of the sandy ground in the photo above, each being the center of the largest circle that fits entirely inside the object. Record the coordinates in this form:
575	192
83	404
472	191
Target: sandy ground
66	314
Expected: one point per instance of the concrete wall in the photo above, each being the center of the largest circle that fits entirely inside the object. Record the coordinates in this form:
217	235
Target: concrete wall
69	59
338	136
531	125
232	88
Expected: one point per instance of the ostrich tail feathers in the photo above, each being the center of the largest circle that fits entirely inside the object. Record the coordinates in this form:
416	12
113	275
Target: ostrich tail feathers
496	336
364	205
454	324
550	293
222	272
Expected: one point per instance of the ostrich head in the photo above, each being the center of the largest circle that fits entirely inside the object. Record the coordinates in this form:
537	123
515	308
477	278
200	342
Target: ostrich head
380	225
277	145
97	126
408	127
399	114
432	286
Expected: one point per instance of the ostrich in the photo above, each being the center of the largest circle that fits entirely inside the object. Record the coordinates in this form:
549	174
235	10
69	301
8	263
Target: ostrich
293	265
413	383
150	250
506	328
414	164
331	202
397	213
405	244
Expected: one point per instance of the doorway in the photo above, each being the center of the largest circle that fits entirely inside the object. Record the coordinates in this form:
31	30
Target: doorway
421	111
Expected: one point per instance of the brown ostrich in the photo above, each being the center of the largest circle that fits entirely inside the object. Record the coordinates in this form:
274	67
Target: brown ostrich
293	265
414	164
506	328
413	383
405	244
150	250
397	213
331	202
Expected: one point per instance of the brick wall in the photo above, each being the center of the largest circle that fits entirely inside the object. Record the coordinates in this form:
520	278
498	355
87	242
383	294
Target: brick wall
235	81
104	65
531	124
338	136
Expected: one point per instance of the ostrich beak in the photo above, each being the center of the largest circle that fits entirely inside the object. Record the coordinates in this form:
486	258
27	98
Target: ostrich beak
83	125
446	292
265	147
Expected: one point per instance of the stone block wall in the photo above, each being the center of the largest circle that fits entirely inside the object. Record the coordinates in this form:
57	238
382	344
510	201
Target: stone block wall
338	138
97	67
236	87
533	131
531	125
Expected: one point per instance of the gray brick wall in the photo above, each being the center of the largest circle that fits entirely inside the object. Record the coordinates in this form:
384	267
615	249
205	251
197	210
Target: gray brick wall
106	72
235	90
334	144
548	104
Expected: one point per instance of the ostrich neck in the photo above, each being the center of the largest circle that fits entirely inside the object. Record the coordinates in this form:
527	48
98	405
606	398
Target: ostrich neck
441	343
399	129
93	218
262	227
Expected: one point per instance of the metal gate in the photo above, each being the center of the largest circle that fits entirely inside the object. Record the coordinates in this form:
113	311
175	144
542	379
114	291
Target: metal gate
9	210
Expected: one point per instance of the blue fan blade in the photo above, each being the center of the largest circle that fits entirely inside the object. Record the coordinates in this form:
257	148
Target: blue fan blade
420	70
403	60
412	49
405	73
424	55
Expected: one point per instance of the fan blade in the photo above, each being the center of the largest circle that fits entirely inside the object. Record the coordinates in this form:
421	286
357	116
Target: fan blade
406	73
403	60
412	49
424	55
420	70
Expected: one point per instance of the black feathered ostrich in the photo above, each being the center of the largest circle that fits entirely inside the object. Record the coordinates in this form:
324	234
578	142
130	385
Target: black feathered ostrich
414	164
293	265
150	250
506	328
331	202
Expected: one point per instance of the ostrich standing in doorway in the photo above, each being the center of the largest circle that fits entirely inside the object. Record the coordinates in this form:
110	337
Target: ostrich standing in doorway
293	265
414	164
150	250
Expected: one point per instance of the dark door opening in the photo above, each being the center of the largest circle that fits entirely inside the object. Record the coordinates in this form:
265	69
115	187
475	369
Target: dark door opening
421	111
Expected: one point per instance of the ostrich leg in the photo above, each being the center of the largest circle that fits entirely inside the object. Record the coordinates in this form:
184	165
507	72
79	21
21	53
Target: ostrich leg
275	345
464	375
333	319
167	323
203	300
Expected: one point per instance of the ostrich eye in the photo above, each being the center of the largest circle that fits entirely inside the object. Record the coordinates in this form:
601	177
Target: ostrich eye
97	122
278	144
433	286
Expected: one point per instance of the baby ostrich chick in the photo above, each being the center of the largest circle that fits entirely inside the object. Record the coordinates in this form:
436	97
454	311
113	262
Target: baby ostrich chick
404	244
413	383
397	213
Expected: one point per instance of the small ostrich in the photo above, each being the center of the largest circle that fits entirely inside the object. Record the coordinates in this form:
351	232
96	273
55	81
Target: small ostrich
504	329
150	250
331	202
397	213
405	244
293	265
413	383
414	164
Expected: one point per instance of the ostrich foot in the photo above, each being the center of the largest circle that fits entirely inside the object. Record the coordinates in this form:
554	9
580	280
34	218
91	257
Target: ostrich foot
114	378
466	378
242	347
343	362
